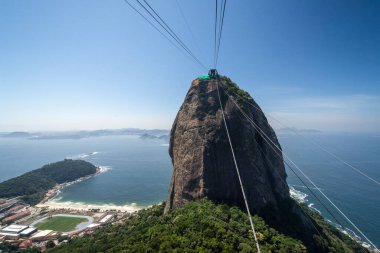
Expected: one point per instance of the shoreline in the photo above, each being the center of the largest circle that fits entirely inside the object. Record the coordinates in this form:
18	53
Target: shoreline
83	207
53	192
49	203
301	197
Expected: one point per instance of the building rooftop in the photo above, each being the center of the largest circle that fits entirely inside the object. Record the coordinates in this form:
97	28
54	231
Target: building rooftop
42	233
18	215
28	231
25	244
14	229
15	208
8	234
106	218
93	225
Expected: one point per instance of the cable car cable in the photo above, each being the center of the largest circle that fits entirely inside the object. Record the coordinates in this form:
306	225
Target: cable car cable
215	37
237	171
295	165
171	30
220	31
189	27
302	181
313	142
156	28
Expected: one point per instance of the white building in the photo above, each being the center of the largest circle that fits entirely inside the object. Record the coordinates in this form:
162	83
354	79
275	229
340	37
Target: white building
13	229
9	236
106	218
12	232
28	232
41	235
92	226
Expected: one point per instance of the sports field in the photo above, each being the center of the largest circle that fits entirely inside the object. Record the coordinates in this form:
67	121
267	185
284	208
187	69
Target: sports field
60	223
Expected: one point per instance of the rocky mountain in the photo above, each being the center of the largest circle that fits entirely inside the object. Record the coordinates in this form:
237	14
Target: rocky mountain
204	166
201	154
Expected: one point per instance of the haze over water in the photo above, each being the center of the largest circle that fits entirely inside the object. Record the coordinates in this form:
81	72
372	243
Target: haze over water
137	172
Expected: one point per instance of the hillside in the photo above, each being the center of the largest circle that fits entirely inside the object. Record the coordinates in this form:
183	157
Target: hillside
201	226
33	185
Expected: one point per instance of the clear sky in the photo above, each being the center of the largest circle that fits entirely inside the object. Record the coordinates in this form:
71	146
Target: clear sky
94	64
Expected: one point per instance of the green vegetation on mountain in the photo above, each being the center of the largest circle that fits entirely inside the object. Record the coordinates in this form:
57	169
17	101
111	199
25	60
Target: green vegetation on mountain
335	240
232	89
33	185
201	226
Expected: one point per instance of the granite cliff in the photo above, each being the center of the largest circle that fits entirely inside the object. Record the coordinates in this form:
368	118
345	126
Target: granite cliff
204	166
201	154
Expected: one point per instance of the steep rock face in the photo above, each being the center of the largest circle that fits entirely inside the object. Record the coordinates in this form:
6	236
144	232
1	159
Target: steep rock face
201	154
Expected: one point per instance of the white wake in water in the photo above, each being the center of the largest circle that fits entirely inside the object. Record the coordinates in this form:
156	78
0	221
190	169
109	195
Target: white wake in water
82	155
301	197
298	196
104	168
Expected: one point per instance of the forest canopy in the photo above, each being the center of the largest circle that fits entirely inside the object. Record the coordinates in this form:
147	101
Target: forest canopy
202	226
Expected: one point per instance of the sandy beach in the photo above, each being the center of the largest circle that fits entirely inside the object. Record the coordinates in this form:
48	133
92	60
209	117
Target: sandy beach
52	205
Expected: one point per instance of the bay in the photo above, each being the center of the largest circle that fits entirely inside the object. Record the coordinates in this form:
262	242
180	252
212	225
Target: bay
137	171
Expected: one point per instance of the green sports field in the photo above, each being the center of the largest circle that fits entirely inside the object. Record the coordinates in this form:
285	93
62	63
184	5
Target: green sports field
60	223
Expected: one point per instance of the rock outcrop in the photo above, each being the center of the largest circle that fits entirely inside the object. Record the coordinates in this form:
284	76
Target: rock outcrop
202	158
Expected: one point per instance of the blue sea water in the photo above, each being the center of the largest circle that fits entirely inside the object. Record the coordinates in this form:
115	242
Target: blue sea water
138	171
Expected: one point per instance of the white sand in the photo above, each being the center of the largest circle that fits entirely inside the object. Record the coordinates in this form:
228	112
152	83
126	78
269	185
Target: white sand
86	207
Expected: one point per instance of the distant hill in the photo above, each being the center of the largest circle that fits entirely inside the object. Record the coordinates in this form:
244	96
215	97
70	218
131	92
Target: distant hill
33	185
202	226
292	130
84	134
146	136
17	135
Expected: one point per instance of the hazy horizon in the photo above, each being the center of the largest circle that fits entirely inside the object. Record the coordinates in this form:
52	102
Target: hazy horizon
276	129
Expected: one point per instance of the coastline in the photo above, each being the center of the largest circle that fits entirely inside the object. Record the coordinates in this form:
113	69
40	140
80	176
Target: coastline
53	192
301	198
49	203
72	206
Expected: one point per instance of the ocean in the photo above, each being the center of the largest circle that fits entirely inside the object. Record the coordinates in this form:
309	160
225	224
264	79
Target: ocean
137	172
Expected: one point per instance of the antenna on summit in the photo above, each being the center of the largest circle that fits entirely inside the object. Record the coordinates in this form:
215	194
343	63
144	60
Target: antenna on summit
213	74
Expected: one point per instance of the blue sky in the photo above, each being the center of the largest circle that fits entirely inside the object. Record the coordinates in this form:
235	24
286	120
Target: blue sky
91	64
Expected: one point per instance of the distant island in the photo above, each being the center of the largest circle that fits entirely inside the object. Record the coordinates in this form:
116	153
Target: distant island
293	130
32	186
147	136
84	134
